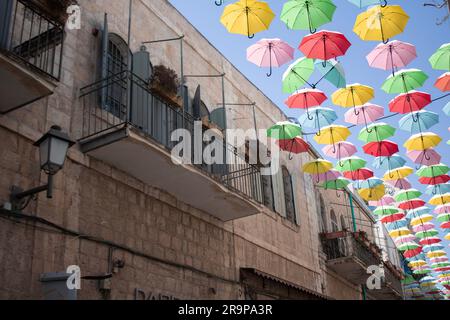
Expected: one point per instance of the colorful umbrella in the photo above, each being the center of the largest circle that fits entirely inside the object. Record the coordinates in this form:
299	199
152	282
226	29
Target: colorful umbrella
438	189
411	204
392	55
404	80
376	132
433	170
360	174
427	234
418	121
353	95
306	98
332	71
440	60
446	109
270	53
307	14
429	240
442	209
364	114
327	176
375	193
443	82
350	164
399	183
318	117
408	246
424	157
297	74
409	102
247	17
398	173
391	219
380	23
417	212
369	183
399	232
365	3
317	166
284	130
422	141
296	145
435	180
384	148
343	149
405	195
440	199
385	201
332	134
424	226
386	210
338	184
389	163
443	217
324	45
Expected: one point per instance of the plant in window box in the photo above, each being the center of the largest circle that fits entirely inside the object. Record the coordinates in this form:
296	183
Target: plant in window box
56	9
165	83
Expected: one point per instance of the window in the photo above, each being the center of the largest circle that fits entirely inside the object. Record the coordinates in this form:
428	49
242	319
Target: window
288	195
334	222
343	224
268	192
322	215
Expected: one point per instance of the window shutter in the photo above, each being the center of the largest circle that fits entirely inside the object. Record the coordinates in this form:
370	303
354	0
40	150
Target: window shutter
268	192
104	62
5	22
277	181
140	107
217	116
296	194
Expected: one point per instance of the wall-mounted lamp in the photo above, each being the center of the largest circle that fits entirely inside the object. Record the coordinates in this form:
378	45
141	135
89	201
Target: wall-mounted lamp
53	147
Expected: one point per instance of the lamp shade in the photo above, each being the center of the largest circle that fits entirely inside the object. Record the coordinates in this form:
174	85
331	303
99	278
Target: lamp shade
53	148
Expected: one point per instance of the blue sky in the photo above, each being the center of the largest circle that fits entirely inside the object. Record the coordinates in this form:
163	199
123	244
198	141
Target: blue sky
421	31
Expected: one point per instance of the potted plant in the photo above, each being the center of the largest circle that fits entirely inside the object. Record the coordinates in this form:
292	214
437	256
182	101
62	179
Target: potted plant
165	83
56	9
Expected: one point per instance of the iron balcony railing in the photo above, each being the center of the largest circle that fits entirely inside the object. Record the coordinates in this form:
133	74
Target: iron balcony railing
126	99
393	279
28	34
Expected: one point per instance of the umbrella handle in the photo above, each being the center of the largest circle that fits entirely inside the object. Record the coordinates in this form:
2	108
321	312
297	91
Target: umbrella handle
319	133
427	157
416	118
219	3
312	30
270	72
290	151
324	63
310	117
338	194
384	4
270	57
251	36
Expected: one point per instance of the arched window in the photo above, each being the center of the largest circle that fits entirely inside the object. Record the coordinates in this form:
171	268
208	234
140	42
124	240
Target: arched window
334	222
288	195
322	215
343	223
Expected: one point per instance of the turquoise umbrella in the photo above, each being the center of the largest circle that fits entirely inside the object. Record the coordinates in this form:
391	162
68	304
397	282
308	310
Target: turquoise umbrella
318	117
365	3
417	122
389	163
447	109
368	184
438	189
418	212
396	225
332	71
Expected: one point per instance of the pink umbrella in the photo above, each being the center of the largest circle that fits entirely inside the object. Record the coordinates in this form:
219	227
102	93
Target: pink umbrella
445	208
364	114
385	201
423	227
392	55
438	259
343	149
425	157
400	183
327	176
269	53
404	239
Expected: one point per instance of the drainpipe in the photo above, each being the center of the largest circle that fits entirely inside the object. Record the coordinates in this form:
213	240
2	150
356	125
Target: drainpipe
350	199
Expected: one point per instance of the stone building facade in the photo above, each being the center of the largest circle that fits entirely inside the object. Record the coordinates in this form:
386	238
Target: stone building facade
138	226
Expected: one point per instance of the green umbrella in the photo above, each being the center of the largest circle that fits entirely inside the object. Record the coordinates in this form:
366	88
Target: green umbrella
338	184
307	14
376	132
350	164
284	130
386	210
433	171
408	246
443	217
406	195
427	234
297	74
404	80
422	271
440	60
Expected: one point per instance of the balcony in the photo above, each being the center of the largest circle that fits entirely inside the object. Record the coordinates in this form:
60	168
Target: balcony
31	46
128	126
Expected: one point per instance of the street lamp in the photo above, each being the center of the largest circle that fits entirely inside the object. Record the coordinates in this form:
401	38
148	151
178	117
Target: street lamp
53	147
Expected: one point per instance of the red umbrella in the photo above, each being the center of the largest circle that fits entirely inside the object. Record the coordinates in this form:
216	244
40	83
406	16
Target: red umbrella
435	180
296	145
324	45
409	102
412	253
384	148
443	82
306	98
445	225
429	240
360	174
392	218
411	204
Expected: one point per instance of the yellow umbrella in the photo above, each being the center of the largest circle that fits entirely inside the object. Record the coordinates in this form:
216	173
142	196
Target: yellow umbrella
418	263
399	173
373	194
422	141
399	232
247	17
447	236
380	23
317	166
332	134
353	95
436	254
440	199
421	220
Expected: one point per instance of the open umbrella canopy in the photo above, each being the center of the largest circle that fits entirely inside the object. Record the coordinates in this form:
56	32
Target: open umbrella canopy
404	80
393	218
327	176
433	170
353	95
317	166
247	17
429	240
284	130
296	145
417	212
405	195
270	53
438	189
385	201
376	132
446	109
373	194
440	60
409	102
384	148
307	14
386	210
424	226
306	98
332	71
342	149
398	173
369	183
399	232
422	141
338	184
443	82
350	164
443	217
425	157
380	23
324	45
364	114
411	204
435	180
318	117
332	134
360	174
440	199
418	121
442	209
297	74
392	55
408	246
389	163
402	184
364	3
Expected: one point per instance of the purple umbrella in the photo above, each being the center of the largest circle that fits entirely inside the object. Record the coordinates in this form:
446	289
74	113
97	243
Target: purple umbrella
327	176
425	157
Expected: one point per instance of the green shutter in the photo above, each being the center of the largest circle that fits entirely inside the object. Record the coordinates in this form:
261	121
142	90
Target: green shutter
278	192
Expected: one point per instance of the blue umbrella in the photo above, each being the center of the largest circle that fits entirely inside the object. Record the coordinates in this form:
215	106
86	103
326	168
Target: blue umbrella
438	189
417	212
419	121
389	163
365	3
433	247
332	71
318	117
396	225
368	184
447	109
